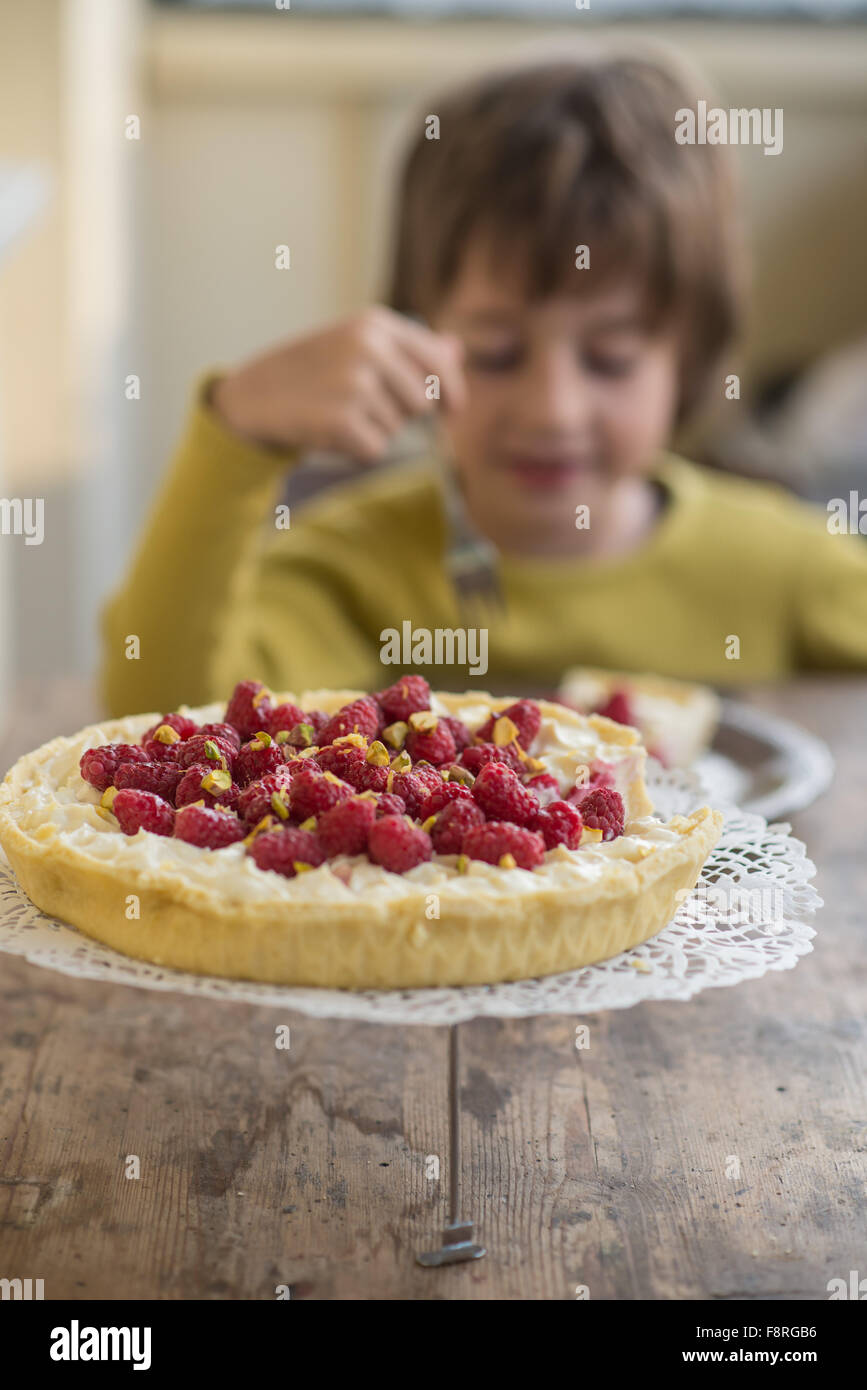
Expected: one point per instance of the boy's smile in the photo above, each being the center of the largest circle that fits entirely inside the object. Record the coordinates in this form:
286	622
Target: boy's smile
569	400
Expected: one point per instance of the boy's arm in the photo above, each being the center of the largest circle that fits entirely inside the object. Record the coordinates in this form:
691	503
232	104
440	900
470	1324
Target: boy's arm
200	539
831	617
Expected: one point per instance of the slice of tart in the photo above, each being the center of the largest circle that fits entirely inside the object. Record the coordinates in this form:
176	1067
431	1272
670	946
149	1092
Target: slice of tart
677	720
338	839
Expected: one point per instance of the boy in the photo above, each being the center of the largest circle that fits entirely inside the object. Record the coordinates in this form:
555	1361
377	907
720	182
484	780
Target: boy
559	385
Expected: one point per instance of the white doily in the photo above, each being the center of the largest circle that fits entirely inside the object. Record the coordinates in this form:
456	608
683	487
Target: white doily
750	913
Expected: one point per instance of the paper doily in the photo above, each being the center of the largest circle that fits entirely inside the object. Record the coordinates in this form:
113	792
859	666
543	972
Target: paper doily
750	913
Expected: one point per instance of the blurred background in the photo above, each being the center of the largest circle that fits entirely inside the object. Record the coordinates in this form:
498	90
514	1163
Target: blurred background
153	256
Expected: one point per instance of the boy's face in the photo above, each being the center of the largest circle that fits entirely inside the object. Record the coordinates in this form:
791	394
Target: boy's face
566	398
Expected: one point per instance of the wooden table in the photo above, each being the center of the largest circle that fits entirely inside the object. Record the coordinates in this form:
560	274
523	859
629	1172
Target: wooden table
604	1167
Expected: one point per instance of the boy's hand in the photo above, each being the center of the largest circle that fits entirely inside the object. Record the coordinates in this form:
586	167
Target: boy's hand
350	387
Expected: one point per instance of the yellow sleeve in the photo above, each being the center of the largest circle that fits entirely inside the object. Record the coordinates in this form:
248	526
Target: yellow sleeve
831	616
196	547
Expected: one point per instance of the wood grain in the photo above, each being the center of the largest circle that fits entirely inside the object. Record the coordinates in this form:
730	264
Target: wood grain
603	1167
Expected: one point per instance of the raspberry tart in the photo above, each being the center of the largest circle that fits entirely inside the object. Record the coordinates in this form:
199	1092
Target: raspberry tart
676	719
349	840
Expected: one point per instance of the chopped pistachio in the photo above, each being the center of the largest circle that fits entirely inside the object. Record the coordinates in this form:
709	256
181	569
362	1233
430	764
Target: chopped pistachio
166	734
429	823
332	777
308	752
308	824
281	736
377	754
463	863
402	763
107	798
507	861
460	774
217	781
424	720
278	806
395	734
504	732
212	752
302	735
355	740
533	764
263	694
263	738
300	867
106	814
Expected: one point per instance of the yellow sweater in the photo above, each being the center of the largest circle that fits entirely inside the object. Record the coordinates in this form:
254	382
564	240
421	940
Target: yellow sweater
216	593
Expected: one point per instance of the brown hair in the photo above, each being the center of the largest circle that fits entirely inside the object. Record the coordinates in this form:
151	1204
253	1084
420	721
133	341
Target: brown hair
544	157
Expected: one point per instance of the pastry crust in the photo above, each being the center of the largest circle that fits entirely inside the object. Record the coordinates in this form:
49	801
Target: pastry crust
431	927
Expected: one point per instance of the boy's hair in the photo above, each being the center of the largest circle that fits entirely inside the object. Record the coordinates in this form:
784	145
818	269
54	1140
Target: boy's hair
545	157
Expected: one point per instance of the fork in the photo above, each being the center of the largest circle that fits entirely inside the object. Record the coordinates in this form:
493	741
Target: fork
470	558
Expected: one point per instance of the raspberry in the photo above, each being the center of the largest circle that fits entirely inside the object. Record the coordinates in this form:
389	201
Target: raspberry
194	751
226	732
312	792
256	760
407	696
459	732
246	716
430	777
359	717
208	829
617	707
480	754
160	778
255	800
452	824
503	797
190	789
387	804
526	717
492	841
283	717
444	793
98	765
344	761
281	850
559	824
410	789
366	777
161	752
140	810
545	786
397	845
433	745
345	828
601	808
181	723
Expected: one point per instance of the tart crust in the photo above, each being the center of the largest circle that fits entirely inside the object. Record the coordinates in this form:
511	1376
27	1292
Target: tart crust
493	924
